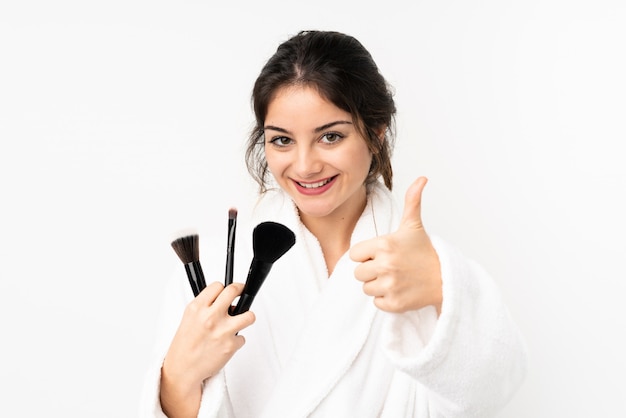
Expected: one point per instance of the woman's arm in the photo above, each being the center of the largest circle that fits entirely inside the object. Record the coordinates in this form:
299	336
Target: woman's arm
205	341
471	358
466	351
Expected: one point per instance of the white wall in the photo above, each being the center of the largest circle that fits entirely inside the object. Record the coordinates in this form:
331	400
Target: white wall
122	122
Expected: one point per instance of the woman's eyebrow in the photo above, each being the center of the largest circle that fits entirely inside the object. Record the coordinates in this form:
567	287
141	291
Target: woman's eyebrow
318	129
331	124
275	128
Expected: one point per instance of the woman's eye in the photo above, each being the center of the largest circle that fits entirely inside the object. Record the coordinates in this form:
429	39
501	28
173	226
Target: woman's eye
331	137
281	141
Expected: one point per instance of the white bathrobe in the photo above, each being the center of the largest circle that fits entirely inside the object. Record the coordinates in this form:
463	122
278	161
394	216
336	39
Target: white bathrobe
320	348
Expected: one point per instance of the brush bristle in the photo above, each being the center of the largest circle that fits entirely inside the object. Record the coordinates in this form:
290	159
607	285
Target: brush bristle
187	248
270	240
232	213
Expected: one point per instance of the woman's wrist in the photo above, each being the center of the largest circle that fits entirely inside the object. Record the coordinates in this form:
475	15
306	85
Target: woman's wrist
179	395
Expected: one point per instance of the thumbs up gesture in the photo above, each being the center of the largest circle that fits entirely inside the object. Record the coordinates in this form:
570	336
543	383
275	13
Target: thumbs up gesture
401	270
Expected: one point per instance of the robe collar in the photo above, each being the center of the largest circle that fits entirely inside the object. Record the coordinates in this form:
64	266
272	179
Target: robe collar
331	316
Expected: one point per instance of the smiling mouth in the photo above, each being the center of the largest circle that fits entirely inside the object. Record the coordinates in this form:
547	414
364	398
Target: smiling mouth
316	184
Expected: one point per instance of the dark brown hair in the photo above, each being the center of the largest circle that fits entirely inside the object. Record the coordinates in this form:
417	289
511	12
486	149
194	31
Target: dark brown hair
344	73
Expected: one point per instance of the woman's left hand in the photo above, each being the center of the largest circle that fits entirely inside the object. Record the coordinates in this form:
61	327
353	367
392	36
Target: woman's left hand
401	270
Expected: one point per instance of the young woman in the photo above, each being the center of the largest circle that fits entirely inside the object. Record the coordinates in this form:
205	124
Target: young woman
367	315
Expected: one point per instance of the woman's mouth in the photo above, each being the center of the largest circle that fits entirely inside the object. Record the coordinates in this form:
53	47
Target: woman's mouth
316	187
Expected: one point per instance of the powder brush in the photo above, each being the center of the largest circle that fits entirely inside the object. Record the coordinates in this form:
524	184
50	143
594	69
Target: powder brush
270	241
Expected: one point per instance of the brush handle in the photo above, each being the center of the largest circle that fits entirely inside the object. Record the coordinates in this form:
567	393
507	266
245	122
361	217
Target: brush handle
243	305
256	276
195	276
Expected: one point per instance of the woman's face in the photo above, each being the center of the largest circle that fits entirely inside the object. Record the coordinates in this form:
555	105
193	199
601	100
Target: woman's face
316	154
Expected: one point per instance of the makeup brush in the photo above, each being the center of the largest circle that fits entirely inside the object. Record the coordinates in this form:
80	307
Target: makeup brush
188	251
230	246
270	240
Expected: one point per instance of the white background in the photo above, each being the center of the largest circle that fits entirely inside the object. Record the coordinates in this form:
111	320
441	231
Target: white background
123	122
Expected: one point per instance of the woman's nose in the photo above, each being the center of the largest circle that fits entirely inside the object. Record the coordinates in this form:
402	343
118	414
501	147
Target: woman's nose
308	162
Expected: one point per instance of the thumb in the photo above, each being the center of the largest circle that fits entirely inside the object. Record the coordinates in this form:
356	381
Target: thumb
412	214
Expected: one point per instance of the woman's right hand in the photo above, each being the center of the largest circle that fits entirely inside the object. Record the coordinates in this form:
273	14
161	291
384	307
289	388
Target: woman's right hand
205	341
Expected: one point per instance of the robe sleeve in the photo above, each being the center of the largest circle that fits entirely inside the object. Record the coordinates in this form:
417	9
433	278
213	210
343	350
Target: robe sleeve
215	402
471	359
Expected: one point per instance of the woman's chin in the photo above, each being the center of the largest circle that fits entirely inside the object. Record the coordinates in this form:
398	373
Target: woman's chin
313	212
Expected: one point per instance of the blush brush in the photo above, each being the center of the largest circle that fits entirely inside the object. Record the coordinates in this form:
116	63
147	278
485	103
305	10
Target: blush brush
270	241
187	249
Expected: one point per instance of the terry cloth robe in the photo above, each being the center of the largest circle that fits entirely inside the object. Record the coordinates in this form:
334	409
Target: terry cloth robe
320	347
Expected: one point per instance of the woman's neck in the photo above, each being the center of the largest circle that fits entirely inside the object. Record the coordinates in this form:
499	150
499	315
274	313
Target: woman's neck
334	232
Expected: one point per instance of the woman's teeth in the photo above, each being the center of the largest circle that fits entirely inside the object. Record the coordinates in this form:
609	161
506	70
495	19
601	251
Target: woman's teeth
315	185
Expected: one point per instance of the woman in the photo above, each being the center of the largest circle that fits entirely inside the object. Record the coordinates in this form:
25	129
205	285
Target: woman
366	315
